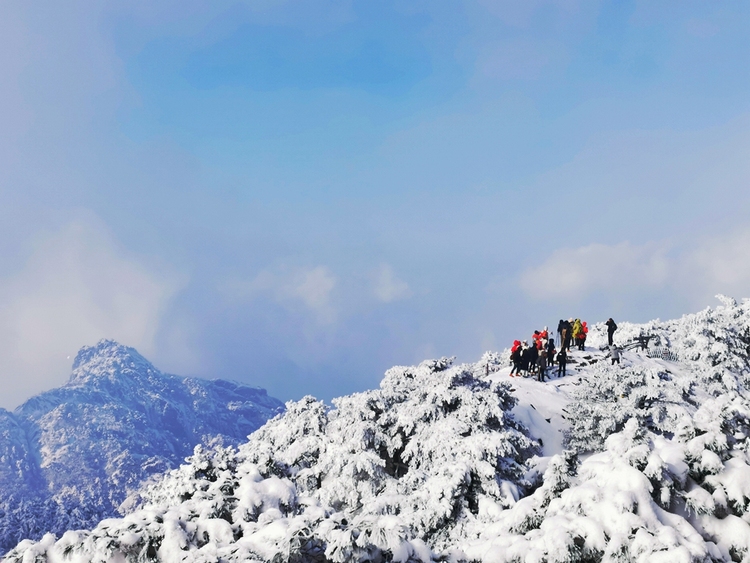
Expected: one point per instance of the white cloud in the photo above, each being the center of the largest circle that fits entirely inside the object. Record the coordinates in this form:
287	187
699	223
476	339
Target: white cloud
696	271
674	169
310	286
719	265
313	287
76	288
387	287
570	272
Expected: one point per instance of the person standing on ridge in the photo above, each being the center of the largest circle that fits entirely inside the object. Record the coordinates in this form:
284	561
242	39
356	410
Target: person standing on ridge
525	357
615	352
541	364
577	331
551	351
515	357
562	361
565	335
582	336
533	357
611	328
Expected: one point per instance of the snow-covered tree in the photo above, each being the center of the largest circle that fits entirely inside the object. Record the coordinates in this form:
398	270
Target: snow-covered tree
436	465
398	473
609	396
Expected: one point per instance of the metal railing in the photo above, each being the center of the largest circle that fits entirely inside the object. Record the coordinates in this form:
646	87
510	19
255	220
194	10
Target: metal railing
662	353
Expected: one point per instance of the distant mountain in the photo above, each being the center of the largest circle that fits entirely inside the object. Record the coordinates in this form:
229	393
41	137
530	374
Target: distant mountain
70	456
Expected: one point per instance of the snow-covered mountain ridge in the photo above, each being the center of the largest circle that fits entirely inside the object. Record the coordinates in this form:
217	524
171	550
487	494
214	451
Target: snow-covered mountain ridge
70	456
647	461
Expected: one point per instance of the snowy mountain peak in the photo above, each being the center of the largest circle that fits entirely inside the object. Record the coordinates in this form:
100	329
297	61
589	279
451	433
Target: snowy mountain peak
109	359
70	456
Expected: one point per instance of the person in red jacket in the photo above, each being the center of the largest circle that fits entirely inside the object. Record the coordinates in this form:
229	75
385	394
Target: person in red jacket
540	338
582	335
535	338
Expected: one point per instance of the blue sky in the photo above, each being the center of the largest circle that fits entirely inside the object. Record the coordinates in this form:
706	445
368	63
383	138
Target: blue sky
300	195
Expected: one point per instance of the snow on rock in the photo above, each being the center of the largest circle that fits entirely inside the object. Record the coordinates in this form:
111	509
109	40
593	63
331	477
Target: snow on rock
645	461
69	457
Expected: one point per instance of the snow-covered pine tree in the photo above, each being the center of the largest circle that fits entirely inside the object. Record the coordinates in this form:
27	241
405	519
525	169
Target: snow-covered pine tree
399	473
609	396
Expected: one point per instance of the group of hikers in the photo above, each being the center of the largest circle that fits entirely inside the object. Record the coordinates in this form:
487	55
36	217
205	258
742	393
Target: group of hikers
535	358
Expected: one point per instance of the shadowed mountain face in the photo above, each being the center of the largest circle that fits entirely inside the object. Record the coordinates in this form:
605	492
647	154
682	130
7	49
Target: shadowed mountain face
69	457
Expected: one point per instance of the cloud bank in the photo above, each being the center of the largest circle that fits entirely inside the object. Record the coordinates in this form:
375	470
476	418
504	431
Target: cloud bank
695	271
76	287
388	287
311	287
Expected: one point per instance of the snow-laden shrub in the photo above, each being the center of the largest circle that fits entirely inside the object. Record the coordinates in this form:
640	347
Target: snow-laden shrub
672	479
713	347
607	512
399	473
714	343
609	396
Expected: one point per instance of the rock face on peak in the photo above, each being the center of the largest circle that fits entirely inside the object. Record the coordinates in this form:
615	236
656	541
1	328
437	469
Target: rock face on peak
70	456
109	359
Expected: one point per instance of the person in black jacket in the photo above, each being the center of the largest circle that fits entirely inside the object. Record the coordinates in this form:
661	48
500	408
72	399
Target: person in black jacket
515	357
567	330
541	364
611	328
562	361
533	357
551	351
527	364
525	357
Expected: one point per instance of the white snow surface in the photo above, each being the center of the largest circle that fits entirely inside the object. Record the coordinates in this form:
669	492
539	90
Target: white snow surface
646	461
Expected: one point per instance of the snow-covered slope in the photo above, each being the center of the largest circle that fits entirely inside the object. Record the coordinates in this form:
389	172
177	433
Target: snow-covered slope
69	457
647	461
